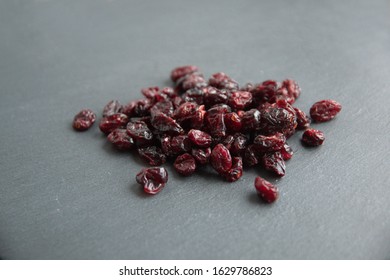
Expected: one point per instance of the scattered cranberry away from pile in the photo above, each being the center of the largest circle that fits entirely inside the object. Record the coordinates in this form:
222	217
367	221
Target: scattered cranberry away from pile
216	121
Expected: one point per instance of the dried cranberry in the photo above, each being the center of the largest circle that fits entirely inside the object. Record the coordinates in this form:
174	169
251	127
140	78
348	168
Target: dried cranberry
165	106
112	122
289	91
195	95
303	120
221	159
274	162
152	179
200	138
239	145
185	164
182	71
240	100
278	120
185	112
112	107
251	156
324	110
266	191
120	139
213	96
84	120
251	120
202	156
140	132
180	144
264	92
286	152
235	172
152	155
269	143
163	123
222	81
194	80
233	122
215	122
313	137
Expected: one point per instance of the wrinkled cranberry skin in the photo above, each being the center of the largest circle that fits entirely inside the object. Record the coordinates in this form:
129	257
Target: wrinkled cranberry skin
195	95
324	110
185	164
165	106
112	122
233	122
140	132
251	120
274	162
200	138
180	144
239	145
264	92
286	152
84	120
235	172
289	91
313	137
182	71
269	143
215	120
194	80
303	120
163	123
112	107
240	100
222	81
213	96
266	191
153	179
278	120
120	139
185	112
251	156
221	159
202	156
152	155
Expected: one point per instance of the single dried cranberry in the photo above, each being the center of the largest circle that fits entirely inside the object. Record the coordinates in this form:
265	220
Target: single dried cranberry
251	156
165	106
165	141
303	120
84	120
152	179
233	122
120	139
251	120
185	112
274	162
163	123
152	155
185	164
266	191
213	96
200	138
215	122
286	152
202	156
195	95
269	143
112	107
324	110
227	141
140	132
182	71
221	159
113	122
264	92
222	81
235	172
180	144
154	94
288	91
278	120
194	80
313	137
239	145
240	100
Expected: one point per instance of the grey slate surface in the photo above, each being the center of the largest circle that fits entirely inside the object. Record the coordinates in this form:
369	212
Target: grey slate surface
68	195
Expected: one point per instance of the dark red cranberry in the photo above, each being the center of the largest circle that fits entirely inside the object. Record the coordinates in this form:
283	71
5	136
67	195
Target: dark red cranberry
233	122
182	71
286	152
313	137
269	143
152	155
202	156
251	120
324	110
288	91
112	122
185	112
120	139
140	132
163	123
142	107
222	81
194	80
195	95
185	164
215	120
221	159
200	138
84	120
180	144
274	162
251	156
278	120
112	107
153	179
240	100
165	106
303	120
239	145
165	141
234	173
154	94
213	96
264	92
227	141
266	191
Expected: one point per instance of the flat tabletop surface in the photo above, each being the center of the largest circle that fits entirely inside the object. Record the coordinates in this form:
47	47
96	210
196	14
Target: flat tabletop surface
68	195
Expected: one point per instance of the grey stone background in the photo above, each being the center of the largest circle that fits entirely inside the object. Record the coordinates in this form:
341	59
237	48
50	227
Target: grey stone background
68	195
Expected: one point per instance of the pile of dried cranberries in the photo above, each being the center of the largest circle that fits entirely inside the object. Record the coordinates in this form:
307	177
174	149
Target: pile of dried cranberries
216	121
